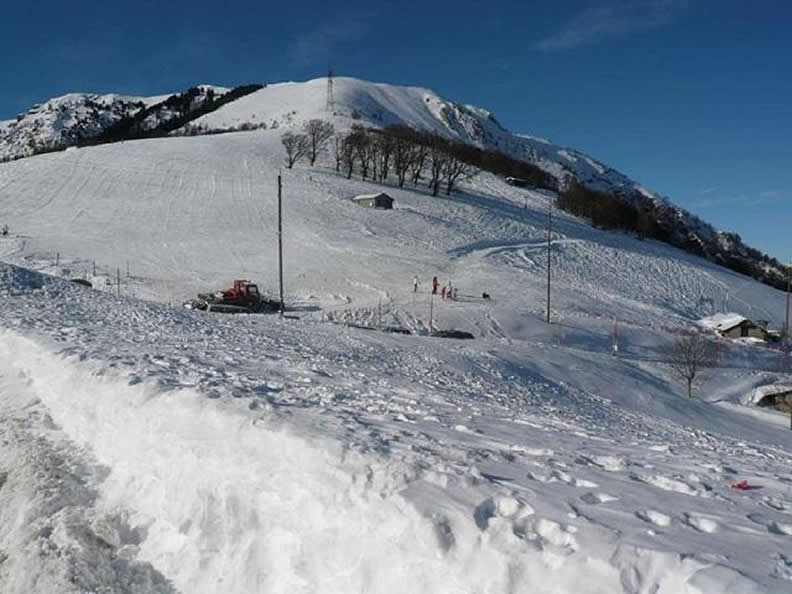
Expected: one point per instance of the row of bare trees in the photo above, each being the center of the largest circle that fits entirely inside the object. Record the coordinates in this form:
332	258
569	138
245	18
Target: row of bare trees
407	154
310	142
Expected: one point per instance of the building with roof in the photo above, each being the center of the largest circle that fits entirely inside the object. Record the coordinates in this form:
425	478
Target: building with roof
379	200
733	325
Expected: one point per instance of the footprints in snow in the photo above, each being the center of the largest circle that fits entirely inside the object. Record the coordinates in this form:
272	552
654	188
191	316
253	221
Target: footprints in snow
557	475
497	513
772	526
654	517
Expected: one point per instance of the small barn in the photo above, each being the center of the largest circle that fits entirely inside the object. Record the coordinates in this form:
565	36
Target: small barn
777	396
733	325
380	200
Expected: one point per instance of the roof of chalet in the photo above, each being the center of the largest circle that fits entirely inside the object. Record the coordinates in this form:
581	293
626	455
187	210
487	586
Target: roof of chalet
722	322
370	196
757	394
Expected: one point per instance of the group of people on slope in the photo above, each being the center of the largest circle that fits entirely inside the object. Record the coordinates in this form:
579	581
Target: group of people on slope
446	292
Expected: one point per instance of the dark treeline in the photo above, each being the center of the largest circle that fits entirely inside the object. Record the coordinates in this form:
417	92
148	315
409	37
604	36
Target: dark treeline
655	220
479	158
168	115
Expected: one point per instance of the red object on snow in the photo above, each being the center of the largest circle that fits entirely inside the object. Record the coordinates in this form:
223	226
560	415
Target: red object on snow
742	485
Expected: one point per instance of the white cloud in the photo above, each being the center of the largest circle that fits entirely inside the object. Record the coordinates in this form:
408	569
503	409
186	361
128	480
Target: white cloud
619	17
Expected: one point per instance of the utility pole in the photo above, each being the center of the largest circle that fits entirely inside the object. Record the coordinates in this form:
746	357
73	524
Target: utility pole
786	324
431	314
280	245
549	232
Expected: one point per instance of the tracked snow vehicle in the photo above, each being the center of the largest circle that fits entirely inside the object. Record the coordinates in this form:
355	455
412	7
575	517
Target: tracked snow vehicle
242	297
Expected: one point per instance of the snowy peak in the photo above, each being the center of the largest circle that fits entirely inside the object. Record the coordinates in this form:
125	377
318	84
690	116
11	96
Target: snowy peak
382	104
77	117
65	120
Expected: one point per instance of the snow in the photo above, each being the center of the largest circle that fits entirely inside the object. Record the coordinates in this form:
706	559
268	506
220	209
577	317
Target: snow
369	196
154	449
722	321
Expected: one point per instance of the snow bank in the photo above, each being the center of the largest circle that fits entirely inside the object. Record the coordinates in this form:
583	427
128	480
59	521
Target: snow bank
226	501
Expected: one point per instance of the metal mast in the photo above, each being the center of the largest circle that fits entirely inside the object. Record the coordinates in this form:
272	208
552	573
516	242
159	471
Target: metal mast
330	103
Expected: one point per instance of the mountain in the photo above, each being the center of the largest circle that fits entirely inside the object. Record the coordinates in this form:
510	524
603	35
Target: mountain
73	119
155	449
77	118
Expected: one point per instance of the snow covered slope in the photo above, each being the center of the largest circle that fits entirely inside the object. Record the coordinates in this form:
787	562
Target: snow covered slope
379	104
64	121
249	453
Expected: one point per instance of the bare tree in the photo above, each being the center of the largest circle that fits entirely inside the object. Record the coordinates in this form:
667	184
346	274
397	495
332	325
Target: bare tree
348	154
689	355
318	133
360	140
338	150
404	152
437	162
386	144
455	169
420	154
296	146
372	154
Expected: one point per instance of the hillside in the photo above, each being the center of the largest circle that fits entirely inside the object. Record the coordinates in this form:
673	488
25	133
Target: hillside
154	449
286	105
79	118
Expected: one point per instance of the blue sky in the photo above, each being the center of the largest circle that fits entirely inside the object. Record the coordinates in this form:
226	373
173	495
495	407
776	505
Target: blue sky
692	98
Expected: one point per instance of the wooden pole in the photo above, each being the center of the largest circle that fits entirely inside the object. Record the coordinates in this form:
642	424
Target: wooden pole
549	232
786	324
431	313
280	244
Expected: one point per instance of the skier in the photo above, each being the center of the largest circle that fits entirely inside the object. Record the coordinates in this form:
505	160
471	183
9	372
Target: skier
435	283
415	284
443	293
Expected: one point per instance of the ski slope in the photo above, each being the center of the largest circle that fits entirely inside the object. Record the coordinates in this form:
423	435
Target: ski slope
164	450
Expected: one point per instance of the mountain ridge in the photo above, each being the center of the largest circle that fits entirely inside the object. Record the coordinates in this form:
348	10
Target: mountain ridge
353	101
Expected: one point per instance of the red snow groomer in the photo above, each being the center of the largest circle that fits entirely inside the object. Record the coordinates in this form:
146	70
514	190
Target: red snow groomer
243	297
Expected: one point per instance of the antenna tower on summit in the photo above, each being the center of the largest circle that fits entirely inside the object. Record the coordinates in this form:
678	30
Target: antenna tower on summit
330	104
